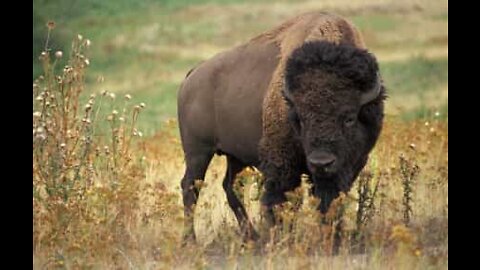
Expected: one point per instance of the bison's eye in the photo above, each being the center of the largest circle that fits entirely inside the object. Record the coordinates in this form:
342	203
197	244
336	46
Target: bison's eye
349	120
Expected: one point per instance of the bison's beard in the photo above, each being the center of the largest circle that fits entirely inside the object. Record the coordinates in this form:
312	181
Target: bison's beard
328	188
327	191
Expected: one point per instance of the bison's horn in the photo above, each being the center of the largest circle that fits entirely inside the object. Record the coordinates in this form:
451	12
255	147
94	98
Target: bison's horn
372	94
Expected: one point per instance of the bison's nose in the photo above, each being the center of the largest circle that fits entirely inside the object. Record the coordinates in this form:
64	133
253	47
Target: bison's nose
322	160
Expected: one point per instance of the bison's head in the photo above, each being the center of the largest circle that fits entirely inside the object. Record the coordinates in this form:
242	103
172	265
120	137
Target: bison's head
335	99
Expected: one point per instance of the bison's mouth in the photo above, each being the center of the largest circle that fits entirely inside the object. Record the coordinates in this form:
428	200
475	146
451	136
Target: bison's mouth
326	189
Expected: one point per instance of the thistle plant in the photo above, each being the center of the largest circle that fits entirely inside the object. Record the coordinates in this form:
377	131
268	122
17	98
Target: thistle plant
84	174
409	172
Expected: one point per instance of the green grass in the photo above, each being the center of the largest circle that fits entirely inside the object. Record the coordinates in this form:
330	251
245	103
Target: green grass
377	23
442	16
414	75
427	113
161	105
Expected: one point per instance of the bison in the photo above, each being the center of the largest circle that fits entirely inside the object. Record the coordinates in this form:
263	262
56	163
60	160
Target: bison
303	98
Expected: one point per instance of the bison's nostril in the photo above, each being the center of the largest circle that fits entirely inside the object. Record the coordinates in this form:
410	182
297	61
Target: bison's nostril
321	159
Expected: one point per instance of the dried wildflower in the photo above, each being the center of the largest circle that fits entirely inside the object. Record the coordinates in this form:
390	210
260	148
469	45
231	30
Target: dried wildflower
122	119
88	107
62	145
427	124
437	114
137	108
128	97
39	98
51	25
140	134
87	62
43	55
37	114
112	95
67	69
432	130
59	54
413	146
142	105
110	118
41	136
114	112
104	92
88	43
92	96
79	37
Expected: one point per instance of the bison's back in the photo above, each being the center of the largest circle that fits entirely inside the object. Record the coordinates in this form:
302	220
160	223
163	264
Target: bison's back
220	101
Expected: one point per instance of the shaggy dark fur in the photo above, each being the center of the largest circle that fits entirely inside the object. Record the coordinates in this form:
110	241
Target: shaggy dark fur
322	79
343	60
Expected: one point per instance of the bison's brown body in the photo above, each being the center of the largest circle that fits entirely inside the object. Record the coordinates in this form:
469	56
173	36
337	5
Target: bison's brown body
283	102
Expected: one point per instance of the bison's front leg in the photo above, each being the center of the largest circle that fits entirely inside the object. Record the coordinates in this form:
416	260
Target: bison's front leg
333	219
282	163
270	198
278	180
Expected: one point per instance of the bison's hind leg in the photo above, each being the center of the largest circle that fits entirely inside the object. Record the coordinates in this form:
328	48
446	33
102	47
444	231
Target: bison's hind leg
196	167
234	166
